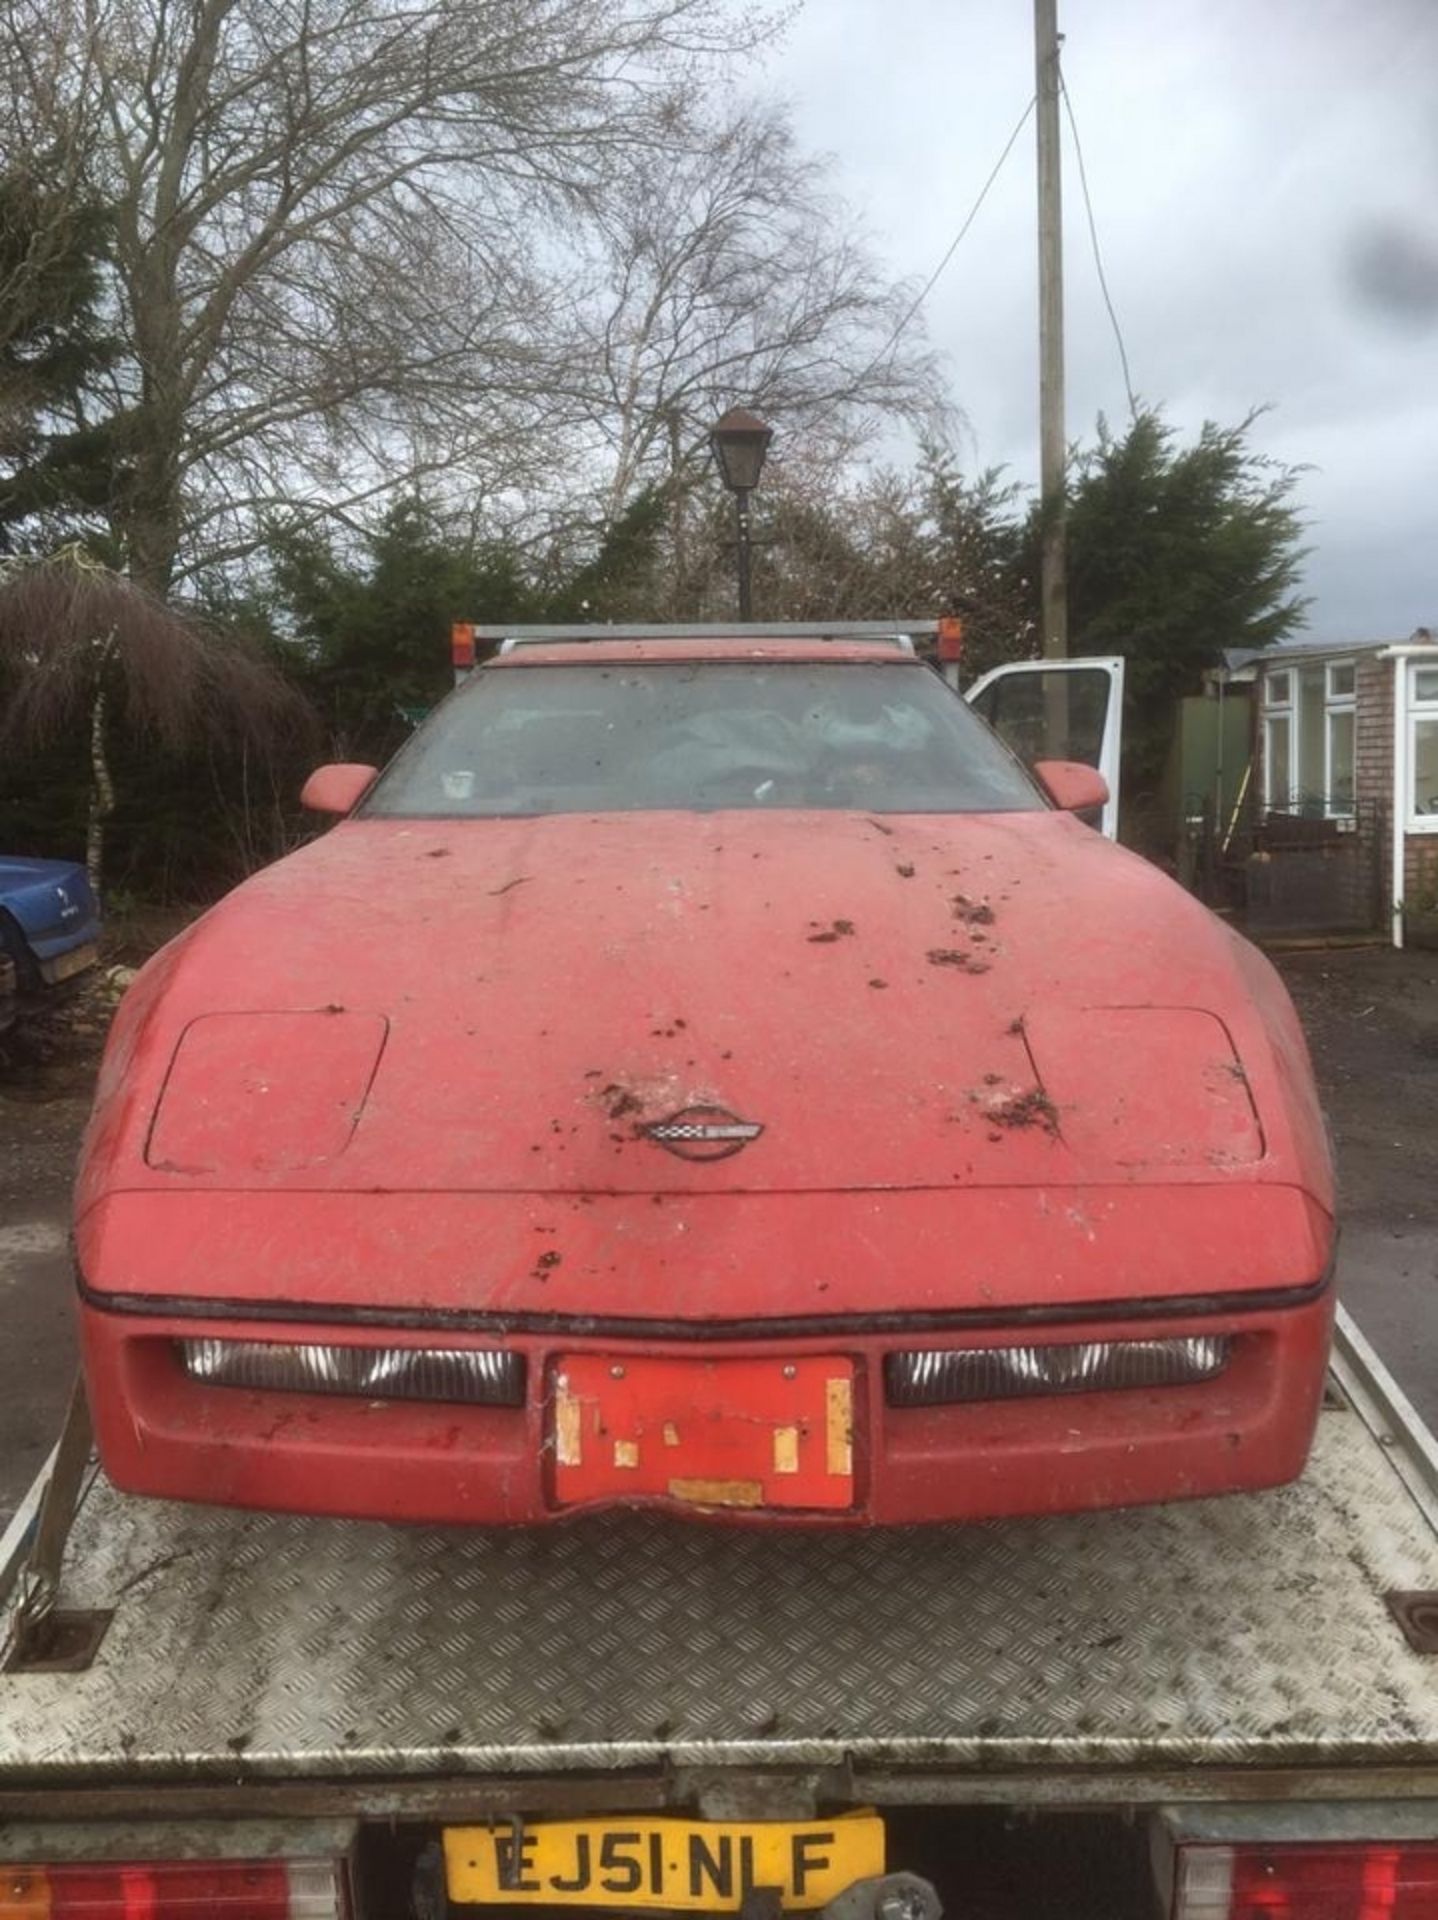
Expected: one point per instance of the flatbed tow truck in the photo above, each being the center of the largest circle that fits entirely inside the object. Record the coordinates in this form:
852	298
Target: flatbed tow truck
1224	1707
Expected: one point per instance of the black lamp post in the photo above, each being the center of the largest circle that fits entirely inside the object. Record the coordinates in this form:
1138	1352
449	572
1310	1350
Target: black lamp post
740	442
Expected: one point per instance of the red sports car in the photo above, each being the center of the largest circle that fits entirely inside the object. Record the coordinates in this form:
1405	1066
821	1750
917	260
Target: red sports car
711	1075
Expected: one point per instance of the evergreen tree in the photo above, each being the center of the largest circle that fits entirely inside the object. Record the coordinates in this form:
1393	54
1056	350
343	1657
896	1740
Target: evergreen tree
976	560
1176	553
622	573
373	629
56	445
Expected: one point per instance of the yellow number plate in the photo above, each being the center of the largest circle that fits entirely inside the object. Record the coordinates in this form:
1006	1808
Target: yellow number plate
698	1865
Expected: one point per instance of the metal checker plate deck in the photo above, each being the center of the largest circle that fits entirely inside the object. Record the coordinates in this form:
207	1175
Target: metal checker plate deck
1246	1630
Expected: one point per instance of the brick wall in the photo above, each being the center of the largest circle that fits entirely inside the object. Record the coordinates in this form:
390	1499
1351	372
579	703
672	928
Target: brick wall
1373	731
1374	780
1420	876
1373	769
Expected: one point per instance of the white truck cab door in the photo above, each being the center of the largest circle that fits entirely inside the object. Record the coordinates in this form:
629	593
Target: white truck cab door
1058	710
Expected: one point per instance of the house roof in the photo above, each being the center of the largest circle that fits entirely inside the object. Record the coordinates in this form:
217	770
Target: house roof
1243	663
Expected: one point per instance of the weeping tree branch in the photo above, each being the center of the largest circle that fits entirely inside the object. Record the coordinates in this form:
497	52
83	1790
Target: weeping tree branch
83	649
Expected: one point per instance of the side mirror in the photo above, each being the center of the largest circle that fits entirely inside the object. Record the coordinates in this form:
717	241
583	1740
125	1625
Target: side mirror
1072	784
338	788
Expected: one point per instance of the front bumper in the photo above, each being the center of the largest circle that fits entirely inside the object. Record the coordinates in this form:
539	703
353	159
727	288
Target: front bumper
163	1433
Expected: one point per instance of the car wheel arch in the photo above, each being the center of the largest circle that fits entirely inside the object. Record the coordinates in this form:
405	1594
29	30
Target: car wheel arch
14	944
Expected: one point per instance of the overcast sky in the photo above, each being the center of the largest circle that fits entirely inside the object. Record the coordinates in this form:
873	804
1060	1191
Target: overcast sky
1265	180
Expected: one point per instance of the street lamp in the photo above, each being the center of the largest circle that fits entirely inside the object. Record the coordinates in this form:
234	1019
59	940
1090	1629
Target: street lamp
740	442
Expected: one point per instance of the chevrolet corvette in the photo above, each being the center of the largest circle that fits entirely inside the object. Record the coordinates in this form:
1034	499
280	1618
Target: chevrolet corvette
712	1075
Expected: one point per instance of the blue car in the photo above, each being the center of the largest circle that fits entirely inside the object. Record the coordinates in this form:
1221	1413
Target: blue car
49	921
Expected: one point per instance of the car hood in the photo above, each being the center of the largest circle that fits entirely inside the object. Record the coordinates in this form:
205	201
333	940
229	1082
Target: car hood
875	1003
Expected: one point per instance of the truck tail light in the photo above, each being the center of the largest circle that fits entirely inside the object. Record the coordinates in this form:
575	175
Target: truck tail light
947	1374
485	1377
1362	1880
175	1890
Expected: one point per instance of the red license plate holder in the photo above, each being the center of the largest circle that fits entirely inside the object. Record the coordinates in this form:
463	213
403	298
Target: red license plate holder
704	1432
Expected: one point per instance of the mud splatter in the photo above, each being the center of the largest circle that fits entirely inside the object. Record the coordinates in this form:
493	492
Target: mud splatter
973	913
1030	1109
954	957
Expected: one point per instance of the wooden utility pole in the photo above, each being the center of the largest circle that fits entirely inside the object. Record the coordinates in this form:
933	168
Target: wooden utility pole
1052	444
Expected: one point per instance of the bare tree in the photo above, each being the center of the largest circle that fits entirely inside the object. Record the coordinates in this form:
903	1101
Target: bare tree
81	645
732	274
44	138
334	220
902	545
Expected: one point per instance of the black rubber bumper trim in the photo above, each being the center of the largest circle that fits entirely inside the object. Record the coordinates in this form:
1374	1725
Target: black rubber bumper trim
1176	1307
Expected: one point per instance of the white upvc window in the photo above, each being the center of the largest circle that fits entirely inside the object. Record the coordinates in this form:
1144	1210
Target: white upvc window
1278	688
1340	738
1309	739
1278	741
1422	748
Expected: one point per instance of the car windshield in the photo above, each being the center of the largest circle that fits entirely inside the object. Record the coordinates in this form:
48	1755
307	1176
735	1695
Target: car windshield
693	736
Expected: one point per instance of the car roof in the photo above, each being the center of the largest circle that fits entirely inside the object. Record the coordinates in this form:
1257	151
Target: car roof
689	652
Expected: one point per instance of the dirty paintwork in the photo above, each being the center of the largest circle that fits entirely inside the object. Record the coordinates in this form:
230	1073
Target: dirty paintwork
941	1076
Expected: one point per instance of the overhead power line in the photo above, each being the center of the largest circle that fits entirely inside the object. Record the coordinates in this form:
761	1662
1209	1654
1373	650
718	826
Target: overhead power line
1097	253
969	219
